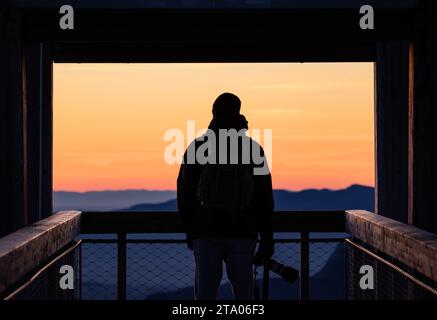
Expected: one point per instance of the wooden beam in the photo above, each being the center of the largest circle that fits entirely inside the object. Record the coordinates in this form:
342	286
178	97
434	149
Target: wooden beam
423	117
410	245
214	52
391	129
46	142
38	81
12	122
216	26
29	247
32	65
152	35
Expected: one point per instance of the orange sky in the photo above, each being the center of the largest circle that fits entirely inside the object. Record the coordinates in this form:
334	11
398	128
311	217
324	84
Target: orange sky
110	119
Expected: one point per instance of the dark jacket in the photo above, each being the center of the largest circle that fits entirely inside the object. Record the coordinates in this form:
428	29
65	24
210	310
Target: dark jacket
201	222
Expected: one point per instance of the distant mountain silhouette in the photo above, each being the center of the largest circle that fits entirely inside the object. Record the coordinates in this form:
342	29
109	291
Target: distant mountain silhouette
107	200
353	197
170	205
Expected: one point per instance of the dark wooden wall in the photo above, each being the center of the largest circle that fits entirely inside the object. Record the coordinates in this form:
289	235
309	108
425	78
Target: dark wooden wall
25	125
13	214
423	120
37	75
406	104
391	130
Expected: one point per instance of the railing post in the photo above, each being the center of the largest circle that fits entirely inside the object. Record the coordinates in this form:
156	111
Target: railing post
266	280
304	266
80	272
121	266
346	271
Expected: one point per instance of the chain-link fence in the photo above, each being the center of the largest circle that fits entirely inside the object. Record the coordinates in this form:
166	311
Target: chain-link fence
164	269
99	269
380	277
327	270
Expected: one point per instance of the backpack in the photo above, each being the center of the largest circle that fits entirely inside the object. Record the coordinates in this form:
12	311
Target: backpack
225	186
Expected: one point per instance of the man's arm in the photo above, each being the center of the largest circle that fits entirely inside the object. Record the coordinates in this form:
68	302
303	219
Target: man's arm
186	196
264	205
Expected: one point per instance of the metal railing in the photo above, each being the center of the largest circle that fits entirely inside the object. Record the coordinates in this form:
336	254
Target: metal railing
300	223
164	268
130	255
391	279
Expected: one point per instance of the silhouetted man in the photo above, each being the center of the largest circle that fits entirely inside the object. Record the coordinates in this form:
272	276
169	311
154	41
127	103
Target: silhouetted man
224	205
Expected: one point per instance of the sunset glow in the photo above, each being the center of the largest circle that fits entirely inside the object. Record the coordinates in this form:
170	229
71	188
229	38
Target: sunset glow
110	119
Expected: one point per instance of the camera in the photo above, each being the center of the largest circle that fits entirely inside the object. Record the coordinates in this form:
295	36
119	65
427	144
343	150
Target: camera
287	273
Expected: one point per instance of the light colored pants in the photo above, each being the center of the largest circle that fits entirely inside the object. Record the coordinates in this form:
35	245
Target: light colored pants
238	257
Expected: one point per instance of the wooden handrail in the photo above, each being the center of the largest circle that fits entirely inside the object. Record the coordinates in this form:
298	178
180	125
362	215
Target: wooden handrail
31	246
414	247
170	222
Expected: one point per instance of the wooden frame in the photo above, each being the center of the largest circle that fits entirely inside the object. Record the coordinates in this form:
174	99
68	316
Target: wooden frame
201	35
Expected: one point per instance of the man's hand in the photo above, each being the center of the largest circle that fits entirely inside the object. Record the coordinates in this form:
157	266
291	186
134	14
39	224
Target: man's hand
189	243
264	253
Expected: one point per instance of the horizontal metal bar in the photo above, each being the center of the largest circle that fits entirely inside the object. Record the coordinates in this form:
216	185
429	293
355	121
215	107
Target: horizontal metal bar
313	240
170	222
151	241
178	241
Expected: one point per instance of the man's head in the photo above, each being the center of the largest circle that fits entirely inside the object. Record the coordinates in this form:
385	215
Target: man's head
226	106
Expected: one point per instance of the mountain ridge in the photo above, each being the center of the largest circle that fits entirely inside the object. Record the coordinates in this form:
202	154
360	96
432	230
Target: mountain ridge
353	197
